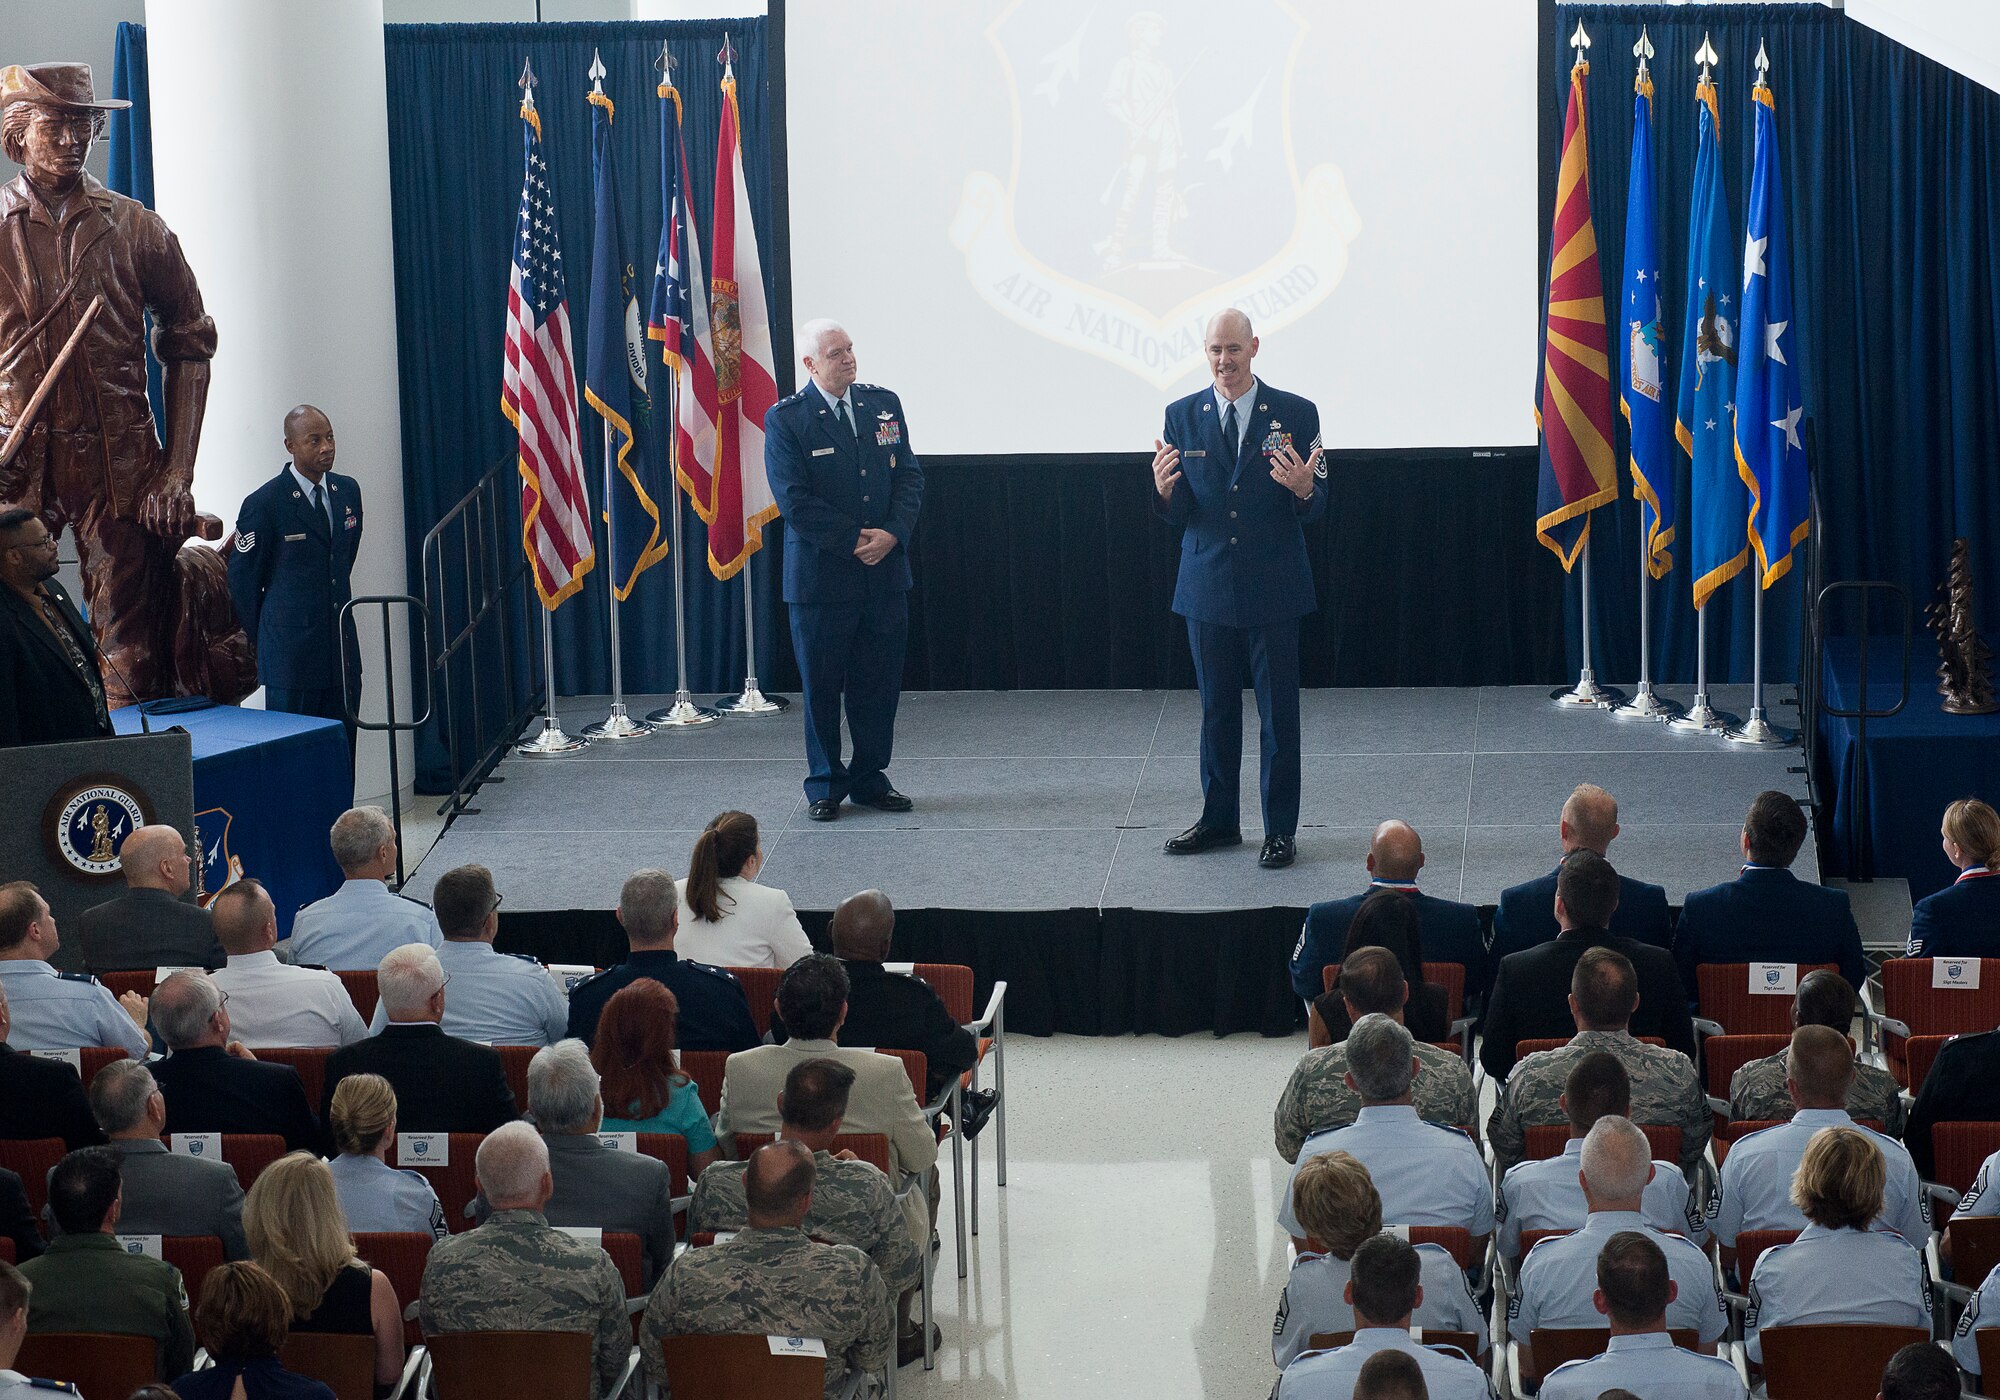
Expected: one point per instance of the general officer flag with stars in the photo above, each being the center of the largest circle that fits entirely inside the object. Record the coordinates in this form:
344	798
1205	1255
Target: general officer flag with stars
1718	506
1770	454
611	364
1643	392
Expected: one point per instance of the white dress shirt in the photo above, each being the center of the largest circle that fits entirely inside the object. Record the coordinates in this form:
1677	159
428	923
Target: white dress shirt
758	927
273	1004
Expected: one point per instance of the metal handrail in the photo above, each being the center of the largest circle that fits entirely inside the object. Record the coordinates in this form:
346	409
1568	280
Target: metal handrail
391	726
1859	866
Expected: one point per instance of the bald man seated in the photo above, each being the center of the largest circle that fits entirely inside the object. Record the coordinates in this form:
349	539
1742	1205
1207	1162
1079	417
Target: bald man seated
1526	914
289	571
152	924
1450	929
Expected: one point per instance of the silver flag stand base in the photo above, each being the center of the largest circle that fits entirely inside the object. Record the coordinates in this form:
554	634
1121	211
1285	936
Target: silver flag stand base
682	714
551	742
618	725
1757	732
1587	694
753	703
1647	705
1700	716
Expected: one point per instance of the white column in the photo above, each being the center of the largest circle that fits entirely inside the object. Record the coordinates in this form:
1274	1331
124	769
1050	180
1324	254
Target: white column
271	162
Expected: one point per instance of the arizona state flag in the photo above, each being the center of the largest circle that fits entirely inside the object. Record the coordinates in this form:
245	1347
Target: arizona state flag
1579	469
1642	394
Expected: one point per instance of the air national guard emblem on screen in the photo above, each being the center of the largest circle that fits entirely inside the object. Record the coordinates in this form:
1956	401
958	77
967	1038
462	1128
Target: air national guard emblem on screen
218	868
1140	144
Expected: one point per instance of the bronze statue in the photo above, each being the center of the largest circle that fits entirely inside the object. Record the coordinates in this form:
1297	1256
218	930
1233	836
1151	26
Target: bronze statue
1965	662
92	461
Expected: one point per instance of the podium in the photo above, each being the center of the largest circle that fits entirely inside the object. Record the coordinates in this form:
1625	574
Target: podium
71	808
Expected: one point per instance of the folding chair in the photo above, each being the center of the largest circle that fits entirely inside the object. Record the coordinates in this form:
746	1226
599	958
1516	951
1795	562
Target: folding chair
547	1365
760	989
1723	1055
1912	1006
1831	1361
96	1363
705	1068
1454	1240
1750	1247
737	1368
514	1063
915	1065
250	1153
1727	1002
1975	1248
953	982
95	1058
1920	1052
361	990
1531	1238
402	1256
454	1181
141	980
196	1256
310	1063
7	1249
30	1159
1989	1356
1552	1346
629	1254
343	1363
1957	1150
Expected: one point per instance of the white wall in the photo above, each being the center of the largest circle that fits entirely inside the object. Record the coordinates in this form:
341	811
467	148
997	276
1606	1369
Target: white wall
65	31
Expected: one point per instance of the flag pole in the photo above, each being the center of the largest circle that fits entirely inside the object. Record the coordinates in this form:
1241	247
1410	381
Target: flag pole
618	724
683	713
1586	693
551	741
753	701
1700	715
1757	731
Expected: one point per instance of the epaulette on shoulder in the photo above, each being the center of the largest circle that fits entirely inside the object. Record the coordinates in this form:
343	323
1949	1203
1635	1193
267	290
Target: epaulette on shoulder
583	982
710	968
877	388
1455	1131
413	900
529	958
60	1387
84	977
795	395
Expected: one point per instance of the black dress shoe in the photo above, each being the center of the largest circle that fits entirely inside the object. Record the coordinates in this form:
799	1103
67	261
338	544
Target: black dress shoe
1278	852
888	801
979	1106
910	1344
827	809
1202	838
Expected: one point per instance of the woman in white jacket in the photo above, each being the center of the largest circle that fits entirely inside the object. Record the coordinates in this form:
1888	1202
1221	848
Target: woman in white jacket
727	918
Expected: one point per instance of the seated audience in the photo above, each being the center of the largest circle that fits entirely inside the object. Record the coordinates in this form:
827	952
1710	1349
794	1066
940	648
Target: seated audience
1317	1098
1757	1090
1840	1268
1384	1288
1634	1290
14	1290
1768	914
1558	1275
1757	1190
1962	920
1920	1371
357	925
1981	1313
726	918
1389	920
1548	1194
299	1237
496	998
48	1010
714	1014
86	1282
151	924
165	1193
1526	917
1527	1002
375	1197
853	1202
812	998
516	1273
644	1089
1450	930
17	1218
595	1184
1963	1086
773	1278
212	1083
1604	992
272	1003
443	1084
1426	1174
243	1319
41	1098
1338	1207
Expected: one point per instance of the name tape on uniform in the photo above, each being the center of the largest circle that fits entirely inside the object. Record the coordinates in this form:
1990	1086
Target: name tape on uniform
822	452
1774	979
589	1234
423	1149
621	1142
1955	972
207	1145
72	1058
148	1245
797	1346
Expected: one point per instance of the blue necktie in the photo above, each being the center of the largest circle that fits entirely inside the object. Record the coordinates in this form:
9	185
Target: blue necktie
840	412
319	507
1229	431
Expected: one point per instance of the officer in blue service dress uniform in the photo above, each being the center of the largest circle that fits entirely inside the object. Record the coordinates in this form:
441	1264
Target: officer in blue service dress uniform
1239	474
1962	920
838	457
296	538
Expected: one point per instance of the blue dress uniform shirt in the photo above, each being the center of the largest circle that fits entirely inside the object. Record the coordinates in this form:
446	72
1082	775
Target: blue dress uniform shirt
1827	1276
1546	1195
1560	1274
1981	1199
1649	1364
829	484
1451	934
289	576
377	1198
1962	920
1755	1192
1982	1312
357	925
65	1011
496	998
714	1014
1314	1301
1330	1375
1426	1174
1768	915
1526	915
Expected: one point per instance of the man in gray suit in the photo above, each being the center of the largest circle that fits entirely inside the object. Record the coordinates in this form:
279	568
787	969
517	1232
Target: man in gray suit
165	1192
149	925
596	1184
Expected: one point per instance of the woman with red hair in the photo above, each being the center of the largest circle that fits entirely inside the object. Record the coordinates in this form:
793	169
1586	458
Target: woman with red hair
644	1090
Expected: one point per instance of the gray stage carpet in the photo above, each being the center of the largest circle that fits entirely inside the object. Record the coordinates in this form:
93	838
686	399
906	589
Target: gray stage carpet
1046	800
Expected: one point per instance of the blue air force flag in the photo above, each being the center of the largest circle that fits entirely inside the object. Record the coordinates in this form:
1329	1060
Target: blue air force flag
1642	392
1770	454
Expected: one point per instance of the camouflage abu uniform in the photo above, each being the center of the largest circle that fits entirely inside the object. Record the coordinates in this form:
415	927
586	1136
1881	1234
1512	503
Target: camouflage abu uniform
852	1203
516	1274
780	1283
1317	1097
1757	1094
1664	1091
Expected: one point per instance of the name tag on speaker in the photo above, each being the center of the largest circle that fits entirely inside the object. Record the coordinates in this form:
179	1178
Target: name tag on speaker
207	1145
1955	972
621	1142
823	452
148	1245
797	1346
423	1149
1774	979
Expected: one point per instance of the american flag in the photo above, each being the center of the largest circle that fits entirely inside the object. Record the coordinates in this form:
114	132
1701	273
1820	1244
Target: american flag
538	386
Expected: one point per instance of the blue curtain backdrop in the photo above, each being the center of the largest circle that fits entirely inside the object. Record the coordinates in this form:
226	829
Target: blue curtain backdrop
129	166
1891	168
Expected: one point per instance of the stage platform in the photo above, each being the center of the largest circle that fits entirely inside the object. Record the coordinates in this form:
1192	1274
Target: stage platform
1040	815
